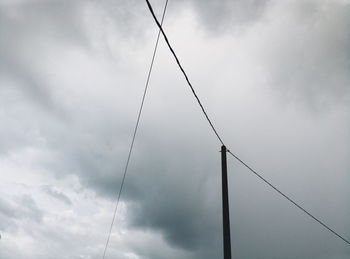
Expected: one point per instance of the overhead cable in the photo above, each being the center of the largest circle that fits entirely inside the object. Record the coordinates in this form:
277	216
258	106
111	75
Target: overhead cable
288	198
219	138
135	132
183	72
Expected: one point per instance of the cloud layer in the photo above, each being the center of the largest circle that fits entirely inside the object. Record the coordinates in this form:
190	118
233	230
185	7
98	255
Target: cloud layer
72	74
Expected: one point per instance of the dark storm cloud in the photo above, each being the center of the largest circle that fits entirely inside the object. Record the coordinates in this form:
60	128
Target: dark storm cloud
177	199
173	185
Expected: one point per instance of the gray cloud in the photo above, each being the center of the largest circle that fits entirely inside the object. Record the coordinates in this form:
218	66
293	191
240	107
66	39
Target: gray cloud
21	208
57	194
57	25
186	218
224	16
172	188
307	51
50	21
29	209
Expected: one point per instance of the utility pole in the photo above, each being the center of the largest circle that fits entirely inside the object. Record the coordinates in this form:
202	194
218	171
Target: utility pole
225	206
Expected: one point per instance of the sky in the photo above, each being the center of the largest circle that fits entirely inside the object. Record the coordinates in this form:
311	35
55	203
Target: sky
273	76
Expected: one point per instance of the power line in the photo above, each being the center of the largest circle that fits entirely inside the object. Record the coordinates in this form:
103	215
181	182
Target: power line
217	135
135	131
288	198
183	72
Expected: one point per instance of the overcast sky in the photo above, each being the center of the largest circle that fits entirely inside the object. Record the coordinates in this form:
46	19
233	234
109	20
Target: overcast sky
274	77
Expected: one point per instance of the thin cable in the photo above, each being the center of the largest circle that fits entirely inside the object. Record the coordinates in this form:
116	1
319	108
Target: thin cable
135	131
289	199
217	135
183	71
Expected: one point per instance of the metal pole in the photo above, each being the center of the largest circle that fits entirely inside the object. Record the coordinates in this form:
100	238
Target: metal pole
225	206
